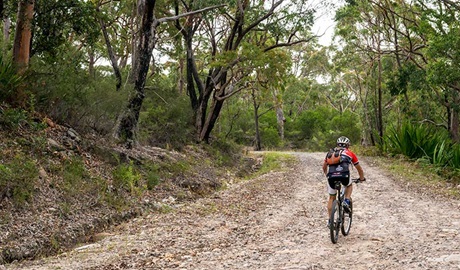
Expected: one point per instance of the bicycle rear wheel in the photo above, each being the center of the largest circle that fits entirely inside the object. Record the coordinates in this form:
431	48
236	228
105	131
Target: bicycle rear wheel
346	222
334	220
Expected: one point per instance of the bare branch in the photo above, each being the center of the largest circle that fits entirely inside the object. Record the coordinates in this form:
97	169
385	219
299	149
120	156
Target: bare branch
173	18
288	44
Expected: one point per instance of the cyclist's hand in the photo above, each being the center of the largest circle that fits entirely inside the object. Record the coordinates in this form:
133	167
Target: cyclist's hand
362	180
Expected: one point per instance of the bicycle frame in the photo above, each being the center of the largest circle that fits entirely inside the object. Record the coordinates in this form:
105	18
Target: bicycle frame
338	215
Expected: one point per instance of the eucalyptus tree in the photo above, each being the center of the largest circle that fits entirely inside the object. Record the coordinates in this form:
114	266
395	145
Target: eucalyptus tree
145	42
6	25
41	28
423	34
230	42
359	25
23	35
442	28
311	72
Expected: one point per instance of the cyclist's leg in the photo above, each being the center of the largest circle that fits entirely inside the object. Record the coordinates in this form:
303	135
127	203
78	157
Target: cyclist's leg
332	195
349	188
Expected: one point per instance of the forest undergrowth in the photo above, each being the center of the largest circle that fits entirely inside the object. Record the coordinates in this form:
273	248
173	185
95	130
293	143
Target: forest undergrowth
59	188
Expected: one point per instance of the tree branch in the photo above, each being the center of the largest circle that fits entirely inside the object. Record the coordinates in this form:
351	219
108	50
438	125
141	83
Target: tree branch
173	18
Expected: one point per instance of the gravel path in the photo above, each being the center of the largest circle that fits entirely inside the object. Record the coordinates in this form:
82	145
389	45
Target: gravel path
278	221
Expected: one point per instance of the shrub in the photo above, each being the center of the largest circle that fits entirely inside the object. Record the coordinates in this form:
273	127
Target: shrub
224	152
454	160
74	176
417	141
13	118
17	180
68	94
9	80
126	177
270	137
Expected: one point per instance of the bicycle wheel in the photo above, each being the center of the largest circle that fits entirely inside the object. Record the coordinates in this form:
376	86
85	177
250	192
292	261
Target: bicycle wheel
347	218
334	227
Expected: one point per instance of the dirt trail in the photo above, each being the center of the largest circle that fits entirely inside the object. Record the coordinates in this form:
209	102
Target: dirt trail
278	221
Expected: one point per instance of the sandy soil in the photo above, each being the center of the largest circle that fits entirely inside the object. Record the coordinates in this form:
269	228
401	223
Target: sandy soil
278	221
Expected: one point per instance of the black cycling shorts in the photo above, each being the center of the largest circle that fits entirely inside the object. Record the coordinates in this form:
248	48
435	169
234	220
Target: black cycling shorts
346	181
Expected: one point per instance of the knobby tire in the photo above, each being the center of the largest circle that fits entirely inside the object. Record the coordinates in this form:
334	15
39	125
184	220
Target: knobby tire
347	219
335	222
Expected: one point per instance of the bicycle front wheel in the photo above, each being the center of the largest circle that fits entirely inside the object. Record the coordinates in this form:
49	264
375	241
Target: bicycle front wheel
334	226
347	218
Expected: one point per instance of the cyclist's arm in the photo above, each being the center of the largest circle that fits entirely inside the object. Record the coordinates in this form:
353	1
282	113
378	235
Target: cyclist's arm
360	172
325	168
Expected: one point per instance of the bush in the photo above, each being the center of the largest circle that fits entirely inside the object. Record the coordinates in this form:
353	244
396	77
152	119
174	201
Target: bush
68	94
9	80
417	141
270	137
319	129
17	180
127	178
454	160
168	125
224	152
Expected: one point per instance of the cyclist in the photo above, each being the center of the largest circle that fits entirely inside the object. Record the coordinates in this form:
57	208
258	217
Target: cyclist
341	172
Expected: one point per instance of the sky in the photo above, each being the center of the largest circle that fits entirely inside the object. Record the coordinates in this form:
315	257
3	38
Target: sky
324	23
324	27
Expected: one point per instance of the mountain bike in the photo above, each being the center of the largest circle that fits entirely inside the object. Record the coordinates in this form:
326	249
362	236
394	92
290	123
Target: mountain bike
340	220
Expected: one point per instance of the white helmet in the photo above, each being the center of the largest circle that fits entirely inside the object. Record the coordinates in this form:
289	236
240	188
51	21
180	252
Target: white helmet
343	141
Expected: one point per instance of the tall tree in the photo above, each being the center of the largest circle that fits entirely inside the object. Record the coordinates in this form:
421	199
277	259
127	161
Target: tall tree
21	46
23	35
282	24
443	56
145	43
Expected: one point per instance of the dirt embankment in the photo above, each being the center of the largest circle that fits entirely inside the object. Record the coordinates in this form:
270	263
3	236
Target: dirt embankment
278	221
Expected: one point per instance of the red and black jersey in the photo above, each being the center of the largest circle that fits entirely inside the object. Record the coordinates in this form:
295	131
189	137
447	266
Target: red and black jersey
343	169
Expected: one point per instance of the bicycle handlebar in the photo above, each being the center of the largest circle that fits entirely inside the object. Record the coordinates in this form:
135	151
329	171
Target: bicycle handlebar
357	180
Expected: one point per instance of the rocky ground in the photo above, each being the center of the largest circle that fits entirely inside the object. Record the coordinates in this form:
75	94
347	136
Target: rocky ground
278	221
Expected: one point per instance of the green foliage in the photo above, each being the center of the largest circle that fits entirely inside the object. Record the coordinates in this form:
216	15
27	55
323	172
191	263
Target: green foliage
166	117
311	122
319	128
126	177
167	125
270	137
236	122
345	124
17	179
9	80
273	161
68	94
421	142
17	118
56	20
408	76
224	152
13	118
74	176
440	155
454	160
152	177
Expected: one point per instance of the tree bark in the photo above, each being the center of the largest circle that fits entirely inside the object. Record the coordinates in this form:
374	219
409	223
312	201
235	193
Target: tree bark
6	34
280	119
455	118
21	47
112	56
379	87
23	35
257	140
128	122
